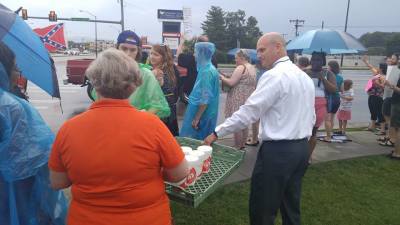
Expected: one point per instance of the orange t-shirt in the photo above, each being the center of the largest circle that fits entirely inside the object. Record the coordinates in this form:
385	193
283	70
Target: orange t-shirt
113	155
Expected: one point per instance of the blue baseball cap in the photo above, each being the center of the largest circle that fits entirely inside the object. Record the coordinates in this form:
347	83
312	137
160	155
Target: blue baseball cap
128	37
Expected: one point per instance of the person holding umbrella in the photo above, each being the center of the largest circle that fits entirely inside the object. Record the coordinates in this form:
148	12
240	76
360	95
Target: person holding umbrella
25	142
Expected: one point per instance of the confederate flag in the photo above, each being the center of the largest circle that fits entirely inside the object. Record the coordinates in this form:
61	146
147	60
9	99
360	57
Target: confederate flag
52	37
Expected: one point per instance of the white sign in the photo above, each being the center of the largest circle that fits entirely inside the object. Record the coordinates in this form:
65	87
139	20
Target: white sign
172	42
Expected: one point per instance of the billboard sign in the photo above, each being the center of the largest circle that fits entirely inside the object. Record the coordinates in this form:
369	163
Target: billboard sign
166	14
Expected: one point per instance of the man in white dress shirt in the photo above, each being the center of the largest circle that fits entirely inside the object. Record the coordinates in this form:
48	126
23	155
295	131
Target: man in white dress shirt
284	101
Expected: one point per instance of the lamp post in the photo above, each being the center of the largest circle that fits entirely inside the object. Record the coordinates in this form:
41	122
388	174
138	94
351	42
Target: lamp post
95	27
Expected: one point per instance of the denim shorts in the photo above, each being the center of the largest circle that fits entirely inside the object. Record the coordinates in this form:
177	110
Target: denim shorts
333	103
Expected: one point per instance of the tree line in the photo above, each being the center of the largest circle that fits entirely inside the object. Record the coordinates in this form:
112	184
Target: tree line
381	43
228	30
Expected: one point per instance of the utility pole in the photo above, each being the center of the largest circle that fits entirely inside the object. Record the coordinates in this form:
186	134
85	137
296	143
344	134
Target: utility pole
345	27
322	26
122	14
297	24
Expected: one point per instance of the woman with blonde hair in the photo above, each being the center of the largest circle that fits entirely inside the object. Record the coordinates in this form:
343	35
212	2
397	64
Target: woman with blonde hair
242	83
167	75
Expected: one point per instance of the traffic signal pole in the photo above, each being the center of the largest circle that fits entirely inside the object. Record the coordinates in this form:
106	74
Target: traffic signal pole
76	19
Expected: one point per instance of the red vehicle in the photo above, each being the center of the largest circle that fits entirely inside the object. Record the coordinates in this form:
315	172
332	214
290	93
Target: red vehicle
76	69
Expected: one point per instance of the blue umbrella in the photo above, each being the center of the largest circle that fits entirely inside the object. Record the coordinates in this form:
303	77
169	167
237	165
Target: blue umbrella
328	41
251	52
32	57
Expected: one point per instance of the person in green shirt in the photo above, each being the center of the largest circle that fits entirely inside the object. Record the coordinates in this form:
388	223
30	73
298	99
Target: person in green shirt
148	96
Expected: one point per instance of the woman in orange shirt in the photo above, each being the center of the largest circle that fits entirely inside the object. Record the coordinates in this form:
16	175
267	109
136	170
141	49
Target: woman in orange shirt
114	157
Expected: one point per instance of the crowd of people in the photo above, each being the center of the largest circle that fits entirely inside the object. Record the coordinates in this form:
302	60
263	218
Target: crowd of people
116	155
383	101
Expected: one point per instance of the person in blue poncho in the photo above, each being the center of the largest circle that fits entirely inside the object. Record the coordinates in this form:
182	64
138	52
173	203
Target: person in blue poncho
25	142
202	111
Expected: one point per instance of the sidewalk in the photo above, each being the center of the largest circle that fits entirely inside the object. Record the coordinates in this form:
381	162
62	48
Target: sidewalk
363	144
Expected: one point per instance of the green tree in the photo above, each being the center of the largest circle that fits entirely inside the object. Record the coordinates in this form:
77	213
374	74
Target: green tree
393	44
235	28
214	27
253	33
380	43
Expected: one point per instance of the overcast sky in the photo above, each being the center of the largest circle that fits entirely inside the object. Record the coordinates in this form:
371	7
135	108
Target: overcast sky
272	15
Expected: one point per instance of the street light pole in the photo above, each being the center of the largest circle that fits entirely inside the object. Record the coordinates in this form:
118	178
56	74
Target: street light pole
345	27
95	28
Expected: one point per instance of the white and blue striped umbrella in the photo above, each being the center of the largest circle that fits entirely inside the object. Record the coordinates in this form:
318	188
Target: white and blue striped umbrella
326	40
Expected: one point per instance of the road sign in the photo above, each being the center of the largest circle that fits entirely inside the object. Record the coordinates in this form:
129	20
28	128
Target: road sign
166	14
79	19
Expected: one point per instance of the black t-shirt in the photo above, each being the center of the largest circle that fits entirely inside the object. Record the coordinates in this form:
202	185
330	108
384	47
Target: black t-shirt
170	88
396	96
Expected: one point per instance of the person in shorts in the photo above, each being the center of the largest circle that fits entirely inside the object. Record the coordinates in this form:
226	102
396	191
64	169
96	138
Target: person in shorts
392	77
395	117
324	82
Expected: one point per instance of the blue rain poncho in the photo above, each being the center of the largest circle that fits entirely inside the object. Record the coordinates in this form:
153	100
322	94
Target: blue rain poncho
148	96
205	92
25	142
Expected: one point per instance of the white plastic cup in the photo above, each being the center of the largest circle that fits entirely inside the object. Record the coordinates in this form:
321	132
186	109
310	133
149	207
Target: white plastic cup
202	157
190	179
186	150
208	156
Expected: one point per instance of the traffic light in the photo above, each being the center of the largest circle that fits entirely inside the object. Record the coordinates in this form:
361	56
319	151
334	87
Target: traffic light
52	16
24	14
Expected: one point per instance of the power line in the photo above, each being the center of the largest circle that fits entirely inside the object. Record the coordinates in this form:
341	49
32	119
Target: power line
356	26
297	24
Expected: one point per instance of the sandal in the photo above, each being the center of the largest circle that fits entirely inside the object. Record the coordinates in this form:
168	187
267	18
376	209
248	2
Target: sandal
382	139
249	143
380	133
387	143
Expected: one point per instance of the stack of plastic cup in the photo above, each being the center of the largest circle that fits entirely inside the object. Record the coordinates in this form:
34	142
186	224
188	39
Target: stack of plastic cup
190	179
202	157
186	150
208	154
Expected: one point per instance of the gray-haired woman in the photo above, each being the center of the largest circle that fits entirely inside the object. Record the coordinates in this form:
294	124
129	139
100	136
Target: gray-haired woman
242	83
114	156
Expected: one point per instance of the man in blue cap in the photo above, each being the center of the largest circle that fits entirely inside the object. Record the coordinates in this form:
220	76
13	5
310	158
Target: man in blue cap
148	96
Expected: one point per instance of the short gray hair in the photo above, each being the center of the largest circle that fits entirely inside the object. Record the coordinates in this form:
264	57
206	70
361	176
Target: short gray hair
113	73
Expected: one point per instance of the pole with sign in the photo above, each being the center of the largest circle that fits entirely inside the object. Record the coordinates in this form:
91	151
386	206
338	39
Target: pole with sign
171	27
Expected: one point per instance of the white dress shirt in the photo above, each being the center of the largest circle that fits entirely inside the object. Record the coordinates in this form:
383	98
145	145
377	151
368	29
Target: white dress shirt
283	100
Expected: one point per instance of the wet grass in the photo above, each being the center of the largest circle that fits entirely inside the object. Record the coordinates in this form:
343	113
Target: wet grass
359	191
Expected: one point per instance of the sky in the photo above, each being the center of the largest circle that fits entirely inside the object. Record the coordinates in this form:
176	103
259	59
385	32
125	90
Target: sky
272	15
